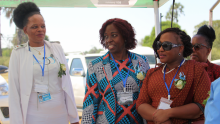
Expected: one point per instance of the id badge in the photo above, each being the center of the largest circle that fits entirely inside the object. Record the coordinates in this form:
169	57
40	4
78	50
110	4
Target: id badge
43	97
125	98
164	103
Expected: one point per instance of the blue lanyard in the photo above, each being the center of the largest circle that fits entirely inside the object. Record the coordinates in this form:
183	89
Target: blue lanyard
124	80
168	89
42	68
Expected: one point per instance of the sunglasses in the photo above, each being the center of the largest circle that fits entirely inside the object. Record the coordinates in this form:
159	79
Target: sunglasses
198	46
167	45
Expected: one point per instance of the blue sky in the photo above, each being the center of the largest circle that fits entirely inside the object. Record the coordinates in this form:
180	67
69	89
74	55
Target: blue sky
78	28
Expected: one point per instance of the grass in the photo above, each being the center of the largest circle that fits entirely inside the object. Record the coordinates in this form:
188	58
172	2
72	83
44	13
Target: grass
5	76
4	60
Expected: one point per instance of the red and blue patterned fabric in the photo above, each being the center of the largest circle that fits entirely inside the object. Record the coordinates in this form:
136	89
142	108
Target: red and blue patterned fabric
103	82
213	71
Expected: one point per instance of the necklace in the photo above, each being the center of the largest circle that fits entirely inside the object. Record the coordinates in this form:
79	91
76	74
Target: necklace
171	69
37	50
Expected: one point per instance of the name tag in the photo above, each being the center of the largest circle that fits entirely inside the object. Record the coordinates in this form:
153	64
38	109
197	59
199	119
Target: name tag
125	98
43	97
164	103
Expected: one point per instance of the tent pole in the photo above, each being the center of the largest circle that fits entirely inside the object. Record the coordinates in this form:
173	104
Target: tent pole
210	21
157	23
0	35
210	12
156	18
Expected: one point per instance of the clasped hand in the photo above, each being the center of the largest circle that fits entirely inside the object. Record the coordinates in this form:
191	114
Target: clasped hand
160	116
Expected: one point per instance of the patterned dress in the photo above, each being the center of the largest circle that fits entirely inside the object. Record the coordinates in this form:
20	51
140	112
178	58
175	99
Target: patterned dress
103	82
195	90
213	71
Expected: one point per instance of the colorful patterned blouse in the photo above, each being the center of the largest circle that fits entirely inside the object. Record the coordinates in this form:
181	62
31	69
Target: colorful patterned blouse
195	90
103	82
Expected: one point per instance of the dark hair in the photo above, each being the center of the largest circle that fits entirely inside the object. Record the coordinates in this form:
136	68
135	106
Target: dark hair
124	28
185	39
23	12
208	32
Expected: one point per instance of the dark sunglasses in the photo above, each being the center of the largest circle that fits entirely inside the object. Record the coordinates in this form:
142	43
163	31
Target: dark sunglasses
198	46
167	45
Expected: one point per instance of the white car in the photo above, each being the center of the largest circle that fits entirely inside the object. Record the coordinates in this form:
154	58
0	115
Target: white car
217	62
78	69
4	112
147	52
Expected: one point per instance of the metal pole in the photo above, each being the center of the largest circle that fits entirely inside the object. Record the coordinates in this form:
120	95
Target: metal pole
210	18
156	18
210	12
157	22
172	14
210	21
161	21
0	34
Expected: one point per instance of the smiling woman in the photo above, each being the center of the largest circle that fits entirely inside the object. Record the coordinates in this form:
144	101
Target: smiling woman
38	94
181	83
114	79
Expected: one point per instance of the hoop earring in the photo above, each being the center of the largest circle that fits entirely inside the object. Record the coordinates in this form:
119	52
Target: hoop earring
179	54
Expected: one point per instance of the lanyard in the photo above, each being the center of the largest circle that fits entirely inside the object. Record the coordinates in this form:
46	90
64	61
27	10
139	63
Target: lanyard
124	80
168	89
42	68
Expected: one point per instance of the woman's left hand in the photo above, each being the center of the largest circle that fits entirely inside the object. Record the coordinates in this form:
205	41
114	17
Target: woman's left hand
160	116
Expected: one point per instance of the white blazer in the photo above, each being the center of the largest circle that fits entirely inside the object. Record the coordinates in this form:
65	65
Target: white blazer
21	81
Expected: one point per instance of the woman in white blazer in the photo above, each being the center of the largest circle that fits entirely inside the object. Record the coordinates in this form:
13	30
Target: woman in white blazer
40	90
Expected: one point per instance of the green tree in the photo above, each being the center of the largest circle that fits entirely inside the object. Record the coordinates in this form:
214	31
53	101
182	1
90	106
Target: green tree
6	52
46	38
93	50
216	44
20	37
8	13
177	11
149	39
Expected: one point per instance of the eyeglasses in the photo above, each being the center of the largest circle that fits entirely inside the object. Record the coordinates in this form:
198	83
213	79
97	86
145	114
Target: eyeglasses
198	46
167	45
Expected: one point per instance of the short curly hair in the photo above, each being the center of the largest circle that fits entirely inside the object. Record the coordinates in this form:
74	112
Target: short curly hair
23	12
124	28
185	39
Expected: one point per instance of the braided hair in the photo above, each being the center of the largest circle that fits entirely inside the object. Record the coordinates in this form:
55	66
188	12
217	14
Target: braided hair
208	33
23	12
185	39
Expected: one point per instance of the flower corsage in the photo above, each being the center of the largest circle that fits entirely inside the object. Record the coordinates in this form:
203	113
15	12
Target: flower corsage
180	83
62	70
140	74
205	101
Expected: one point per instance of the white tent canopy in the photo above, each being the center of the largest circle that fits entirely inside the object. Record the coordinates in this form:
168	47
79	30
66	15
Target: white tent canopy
86	3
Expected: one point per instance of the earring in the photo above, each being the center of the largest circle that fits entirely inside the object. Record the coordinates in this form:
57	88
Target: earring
179	54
